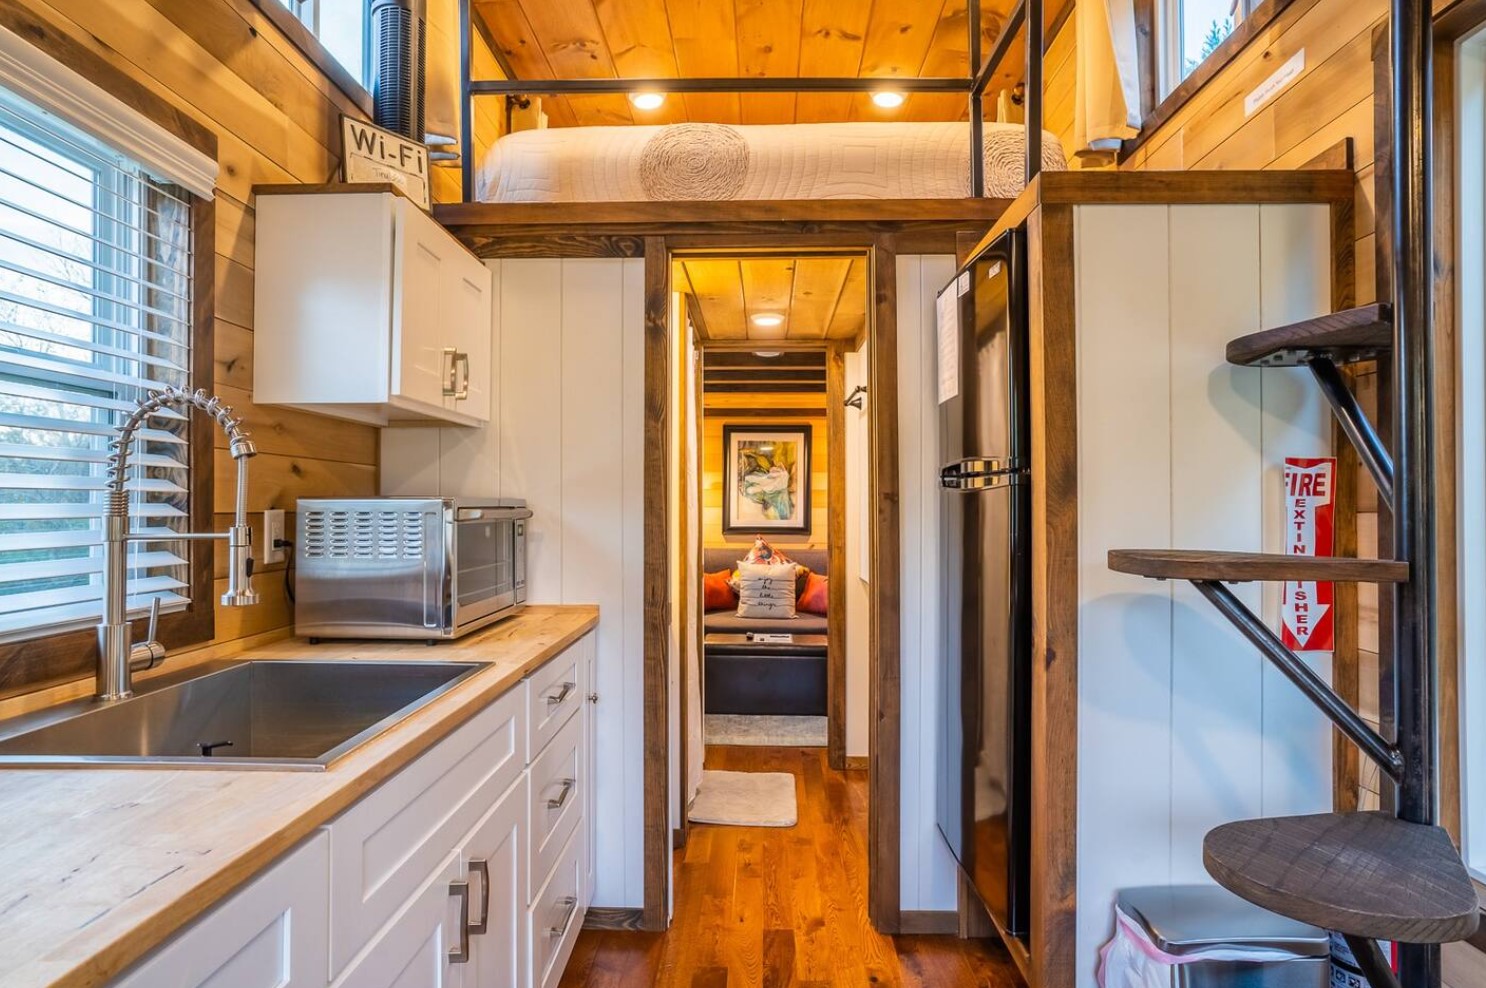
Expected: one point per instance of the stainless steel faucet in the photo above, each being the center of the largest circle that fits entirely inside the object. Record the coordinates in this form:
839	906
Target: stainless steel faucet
118	657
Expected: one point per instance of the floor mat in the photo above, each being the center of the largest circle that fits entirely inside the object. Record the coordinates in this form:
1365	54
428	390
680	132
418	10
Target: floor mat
746	799
766	730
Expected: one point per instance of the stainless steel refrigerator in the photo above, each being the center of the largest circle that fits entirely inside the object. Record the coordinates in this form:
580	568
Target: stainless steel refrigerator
984	692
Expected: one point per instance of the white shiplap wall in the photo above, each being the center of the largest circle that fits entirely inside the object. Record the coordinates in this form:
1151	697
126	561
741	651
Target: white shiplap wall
567	436
928	870
1182	726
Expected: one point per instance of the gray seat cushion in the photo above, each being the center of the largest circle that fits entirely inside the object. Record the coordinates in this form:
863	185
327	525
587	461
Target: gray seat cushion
729	623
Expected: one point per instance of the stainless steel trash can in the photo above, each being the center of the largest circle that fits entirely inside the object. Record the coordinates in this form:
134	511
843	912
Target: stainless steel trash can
1187	919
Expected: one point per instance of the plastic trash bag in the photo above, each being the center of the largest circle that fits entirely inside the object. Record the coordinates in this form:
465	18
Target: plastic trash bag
1131	960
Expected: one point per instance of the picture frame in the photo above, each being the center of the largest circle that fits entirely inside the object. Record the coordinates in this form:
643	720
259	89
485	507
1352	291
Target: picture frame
373	154
766	479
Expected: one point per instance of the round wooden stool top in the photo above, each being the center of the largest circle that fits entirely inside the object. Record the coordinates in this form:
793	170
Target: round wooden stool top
1364	874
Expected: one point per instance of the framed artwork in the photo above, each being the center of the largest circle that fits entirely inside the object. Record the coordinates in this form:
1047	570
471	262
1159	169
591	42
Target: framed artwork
766	479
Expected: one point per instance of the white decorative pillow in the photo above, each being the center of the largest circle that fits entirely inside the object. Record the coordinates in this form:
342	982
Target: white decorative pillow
766	591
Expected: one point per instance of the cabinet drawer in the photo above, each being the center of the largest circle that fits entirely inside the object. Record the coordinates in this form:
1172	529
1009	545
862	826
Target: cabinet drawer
556	917
385	847
414	950
557	789
270	933
554	693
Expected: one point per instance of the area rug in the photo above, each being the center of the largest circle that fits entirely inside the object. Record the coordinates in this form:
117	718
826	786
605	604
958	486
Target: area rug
746	799
766	730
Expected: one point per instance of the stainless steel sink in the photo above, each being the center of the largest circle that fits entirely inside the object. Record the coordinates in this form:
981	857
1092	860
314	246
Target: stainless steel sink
297	714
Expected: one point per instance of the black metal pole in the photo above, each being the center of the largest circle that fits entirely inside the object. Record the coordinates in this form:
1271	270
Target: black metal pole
1034	88
1009	30
724	84
466	106
1355	424
1316	689
977	105
1413	425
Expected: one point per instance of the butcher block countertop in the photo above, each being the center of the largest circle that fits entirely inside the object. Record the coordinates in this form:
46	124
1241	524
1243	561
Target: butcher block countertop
100	866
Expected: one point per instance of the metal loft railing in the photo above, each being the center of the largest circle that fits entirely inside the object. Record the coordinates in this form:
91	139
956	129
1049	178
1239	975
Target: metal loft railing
1027	13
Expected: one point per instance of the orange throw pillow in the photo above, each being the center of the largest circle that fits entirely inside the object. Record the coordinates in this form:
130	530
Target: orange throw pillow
717	595
816	595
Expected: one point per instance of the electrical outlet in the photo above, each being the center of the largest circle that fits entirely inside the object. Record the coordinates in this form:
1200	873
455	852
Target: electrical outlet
273	533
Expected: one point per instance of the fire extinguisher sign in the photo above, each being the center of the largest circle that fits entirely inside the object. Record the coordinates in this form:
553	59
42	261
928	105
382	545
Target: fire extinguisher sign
1306	612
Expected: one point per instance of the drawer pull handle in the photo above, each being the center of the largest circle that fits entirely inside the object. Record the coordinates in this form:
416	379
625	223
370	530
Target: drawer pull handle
481	867
560	800
553	699
570	903
460	952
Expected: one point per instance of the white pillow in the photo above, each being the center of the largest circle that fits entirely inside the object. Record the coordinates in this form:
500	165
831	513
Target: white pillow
766	591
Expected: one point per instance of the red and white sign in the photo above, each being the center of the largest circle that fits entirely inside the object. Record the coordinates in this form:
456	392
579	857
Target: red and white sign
1306	607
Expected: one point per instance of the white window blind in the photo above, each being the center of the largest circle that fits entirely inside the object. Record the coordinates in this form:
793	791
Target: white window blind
95	308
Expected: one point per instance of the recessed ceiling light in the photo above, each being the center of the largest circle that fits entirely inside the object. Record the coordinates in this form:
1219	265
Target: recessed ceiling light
647	101
768	320
766	353
888	99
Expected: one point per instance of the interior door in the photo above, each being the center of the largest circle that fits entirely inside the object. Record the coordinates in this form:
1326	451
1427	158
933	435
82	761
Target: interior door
494	857
423	307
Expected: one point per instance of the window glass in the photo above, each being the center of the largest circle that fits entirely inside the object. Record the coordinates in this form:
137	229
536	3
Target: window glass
95	309
341	26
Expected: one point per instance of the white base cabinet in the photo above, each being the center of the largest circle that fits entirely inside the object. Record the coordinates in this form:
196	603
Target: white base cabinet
469	868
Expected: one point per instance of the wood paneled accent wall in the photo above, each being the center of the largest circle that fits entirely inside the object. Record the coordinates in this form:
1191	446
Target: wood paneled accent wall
276	116
716	415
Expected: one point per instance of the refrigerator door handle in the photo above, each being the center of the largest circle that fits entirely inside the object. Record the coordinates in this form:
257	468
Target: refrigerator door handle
979	474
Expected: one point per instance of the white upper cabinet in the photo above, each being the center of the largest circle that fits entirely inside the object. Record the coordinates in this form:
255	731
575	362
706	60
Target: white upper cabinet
367	309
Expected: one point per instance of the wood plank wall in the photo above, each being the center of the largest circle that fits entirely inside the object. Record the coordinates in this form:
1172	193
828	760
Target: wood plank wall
277	119
712	460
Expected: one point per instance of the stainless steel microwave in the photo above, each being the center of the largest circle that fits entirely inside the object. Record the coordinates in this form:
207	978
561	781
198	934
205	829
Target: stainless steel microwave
407	567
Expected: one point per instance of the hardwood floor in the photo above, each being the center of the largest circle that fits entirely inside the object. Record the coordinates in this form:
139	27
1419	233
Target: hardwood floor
782	908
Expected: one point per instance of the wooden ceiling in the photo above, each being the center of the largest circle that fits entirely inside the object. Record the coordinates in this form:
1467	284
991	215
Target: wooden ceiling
640	39
820	298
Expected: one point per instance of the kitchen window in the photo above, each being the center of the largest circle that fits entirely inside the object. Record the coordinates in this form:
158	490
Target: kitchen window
95	309
1190	31
341	27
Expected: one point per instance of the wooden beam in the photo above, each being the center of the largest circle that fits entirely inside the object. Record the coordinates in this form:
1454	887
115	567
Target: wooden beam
1055	561
884	851
657	824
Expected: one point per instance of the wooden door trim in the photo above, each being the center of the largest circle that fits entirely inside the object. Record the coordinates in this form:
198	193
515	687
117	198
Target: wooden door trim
884	636
657	589
836	556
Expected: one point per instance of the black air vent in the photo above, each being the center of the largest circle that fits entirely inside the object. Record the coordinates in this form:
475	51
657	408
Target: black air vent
399	65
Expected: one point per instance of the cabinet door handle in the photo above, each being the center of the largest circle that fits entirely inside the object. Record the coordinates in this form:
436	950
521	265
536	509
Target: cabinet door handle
571	904
460	952
462	390
481	867
553	699
560	800
451	372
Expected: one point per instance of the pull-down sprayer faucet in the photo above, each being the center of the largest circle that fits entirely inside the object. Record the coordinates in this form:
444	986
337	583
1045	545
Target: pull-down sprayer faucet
118	658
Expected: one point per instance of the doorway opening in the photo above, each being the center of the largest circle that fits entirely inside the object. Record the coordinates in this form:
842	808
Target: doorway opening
770	464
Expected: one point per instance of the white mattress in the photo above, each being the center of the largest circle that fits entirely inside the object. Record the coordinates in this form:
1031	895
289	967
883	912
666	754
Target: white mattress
787	161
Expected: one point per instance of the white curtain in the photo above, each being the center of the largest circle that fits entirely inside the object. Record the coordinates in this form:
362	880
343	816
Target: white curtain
1107	87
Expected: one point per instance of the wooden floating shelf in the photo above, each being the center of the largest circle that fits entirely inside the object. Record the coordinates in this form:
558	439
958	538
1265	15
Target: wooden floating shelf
1364	874
1343	337
1240	567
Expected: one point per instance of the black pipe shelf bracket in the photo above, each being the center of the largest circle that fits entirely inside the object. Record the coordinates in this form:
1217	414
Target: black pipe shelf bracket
1309	682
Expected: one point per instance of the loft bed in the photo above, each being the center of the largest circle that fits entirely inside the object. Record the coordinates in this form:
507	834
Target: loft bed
931	172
